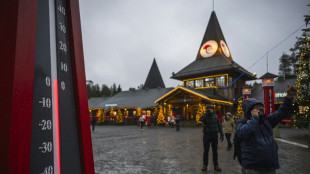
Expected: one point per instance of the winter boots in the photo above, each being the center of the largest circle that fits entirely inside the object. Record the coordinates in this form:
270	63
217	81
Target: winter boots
204	168
217	168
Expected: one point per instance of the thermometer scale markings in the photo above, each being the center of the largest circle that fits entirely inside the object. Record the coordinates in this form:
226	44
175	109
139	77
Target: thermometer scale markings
42	144
67	123
54	140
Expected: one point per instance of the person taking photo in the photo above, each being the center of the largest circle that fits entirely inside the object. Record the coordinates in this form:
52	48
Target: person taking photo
259	151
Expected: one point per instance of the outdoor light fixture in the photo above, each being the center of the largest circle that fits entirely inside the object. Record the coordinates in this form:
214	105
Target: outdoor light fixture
268	82
246	92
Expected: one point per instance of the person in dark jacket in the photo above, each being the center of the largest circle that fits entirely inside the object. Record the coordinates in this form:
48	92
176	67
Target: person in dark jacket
259	151
93	123
177	123
211	128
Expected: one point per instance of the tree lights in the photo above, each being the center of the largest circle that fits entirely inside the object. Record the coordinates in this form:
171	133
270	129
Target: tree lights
161	118
301	113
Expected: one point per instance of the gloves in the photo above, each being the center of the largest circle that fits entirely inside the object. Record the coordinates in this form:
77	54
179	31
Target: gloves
222	138
291	91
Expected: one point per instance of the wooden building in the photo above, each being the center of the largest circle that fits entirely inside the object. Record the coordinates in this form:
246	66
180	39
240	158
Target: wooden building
130	102
212	78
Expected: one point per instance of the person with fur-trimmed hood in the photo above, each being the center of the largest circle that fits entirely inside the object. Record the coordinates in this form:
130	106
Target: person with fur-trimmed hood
228	129
259	151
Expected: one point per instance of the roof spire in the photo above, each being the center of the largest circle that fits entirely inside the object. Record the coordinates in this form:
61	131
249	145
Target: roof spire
154	79
213	42
213	5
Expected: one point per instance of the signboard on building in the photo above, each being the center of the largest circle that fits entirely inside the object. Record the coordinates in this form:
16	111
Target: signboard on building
280	94
111	105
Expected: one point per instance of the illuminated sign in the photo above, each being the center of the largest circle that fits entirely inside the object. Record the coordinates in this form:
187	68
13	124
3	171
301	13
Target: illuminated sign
112	105
185	100
279	94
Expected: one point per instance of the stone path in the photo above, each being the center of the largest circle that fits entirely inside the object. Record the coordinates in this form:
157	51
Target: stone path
127	149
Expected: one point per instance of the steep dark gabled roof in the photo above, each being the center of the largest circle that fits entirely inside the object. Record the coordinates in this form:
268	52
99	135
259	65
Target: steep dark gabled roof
154	79
213	32
216	63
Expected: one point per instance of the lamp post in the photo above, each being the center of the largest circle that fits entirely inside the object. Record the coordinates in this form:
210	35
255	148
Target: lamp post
246	92
268	87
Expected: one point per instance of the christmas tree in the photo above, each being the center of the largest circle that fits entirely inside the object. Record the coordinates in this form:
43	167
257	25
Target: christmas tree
239	109
100	116
119	117
126	112
169	110
301	114
161	118
112	112
139	112
155	111
200	112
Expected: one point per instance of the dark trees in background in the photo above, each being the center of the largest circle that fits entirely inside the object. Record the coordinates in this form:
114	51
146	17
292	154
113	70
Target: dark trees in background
119	89
94	90
285	67
132	89
113	89
140	87
105	91
296	50
291	61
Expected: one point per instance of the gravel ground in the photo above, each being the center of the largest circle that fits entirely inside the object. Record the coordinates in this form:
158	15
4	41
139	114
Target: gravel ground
127	149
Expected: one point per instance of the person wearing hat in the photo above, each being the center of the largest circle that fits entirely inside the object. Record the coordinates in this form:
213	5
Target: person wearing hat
228	129
259	151
211	128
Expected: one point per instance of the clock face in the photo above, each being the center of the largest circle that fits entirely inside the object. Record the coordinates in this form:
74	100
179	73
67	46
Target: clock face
225	48
208	49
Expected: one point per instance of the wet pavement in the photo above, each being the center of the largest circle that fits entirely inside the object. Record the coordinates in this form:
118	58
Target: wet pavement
127	149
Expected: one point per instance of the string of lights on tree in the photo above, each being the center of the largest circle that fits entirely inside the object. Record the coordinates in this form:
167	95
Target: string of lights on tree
119	117
239	109
301	113
100	115
161	118
200	112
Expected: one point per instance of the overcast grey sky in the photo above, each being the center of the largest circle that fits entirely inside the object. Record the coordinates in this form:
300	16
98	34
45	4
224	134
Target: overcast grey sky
122	37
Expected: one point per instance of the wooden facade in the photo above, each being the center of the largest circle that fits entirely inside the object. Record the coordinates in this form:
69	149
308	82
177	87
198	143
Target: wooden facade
212	78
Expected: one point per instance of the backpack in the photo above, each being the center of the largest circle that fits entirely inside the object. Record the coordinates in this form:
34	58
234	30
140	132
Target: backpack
141	119
237	144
